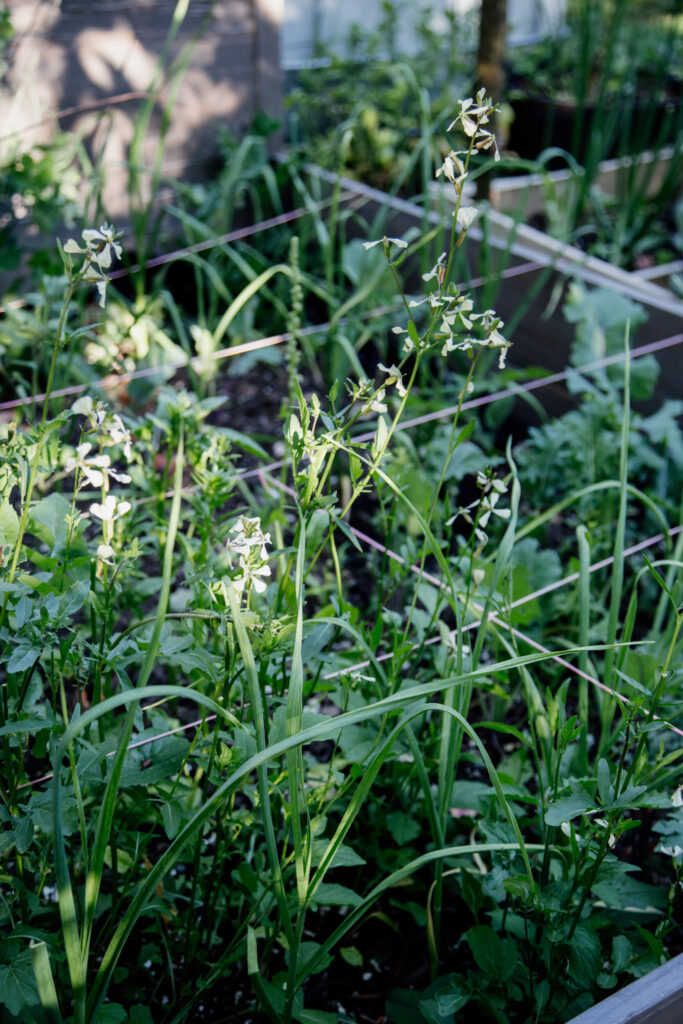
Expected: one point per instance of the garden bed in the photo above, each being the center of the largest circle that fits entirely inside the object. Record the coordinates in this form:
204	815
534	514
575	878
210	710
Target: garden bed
208	844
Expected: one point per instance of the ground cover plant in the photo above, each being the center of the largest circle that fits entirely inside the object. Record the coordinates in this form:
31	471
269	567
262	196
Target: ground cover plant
277	741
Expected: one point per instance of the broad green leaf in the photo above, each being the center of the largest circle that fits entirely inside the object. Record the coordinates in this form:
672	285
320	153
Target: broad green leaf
569	807
165	758
585	961
495	956
48	521
403	1006
18	988
351	955
111	1013
329	894
23	656
622	951
307	953
403	827
627	894
9	525
345	857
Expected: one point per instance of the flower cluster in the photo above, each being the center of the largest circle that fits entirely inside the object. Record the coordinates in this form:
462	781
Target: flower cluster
371	399
458	315
473	114
99	247
249	545
108	425
95	470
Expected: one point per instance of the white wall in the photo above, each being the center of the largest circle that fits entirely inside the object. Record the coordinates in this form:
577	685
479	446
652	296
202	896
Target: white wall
330	21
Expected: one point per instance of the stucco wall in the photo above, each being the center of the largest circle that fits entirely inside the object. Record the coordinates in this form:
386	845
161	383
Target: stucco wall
79	53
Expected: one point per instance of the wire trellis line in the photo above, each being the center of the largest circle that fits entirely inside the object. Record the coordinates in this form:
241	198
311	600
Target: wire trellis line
212	243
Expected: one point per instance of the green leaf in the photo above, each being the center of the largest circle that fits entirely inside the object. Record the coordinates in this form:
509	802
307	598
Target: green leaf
307	953
329	894
443	1000
627	894
48	521
569	807
345	857
585	961
18	987
622	951
165	756
495	956
23	834
403	827
604	788
315	1017
9	525
23	656
352	956
403	1006
111	1013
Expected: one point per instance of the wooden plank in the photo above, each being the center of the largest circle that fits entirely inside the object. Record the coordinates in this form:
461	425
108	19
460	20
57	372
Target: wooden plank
655	999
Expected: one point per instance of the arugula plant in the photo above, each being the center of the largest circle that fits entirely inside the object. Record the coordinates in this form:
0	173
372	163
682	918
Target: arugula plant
223	755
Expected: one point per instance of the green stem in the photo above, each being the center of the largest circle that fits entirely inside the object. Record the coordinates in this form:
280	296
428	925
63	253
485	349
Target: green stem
35	462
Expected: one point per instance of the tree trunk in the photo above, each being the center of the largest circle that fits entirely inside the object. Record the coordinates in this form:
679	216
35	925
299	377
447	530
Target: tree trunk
490	72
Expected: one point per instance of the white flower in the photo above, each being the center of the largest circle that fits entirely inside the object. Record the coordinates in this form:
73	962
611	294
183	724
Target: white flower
84	406
106	553
394	376
677	797
97	255
466	215
398	242
672	851
251	574
249	535
438	270
99	245
453	169
376	403
111	509
471	118
96	470
119	434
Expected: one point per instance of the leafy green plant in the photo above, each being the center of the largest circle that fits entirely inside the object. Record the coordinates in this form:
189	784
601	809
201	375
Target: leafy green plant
248	717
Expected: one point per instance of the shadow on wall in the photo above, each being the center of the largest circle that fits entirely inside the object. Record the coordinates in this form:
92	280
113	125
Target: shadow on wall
75	57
